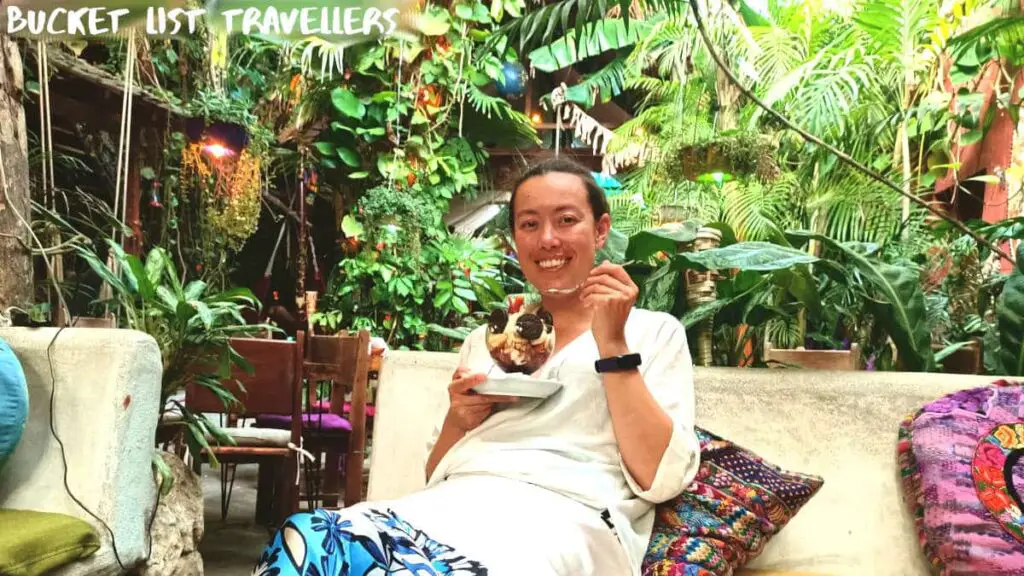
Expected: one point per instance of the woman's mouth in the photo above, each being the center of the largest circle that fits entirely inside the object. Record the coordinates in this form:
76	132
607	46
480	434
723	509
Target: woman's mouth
552	264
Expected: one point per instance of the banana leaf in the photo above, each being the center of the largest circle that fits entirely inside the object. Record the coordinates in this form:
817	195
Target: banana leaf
901	308
660	291
665	238
759	256
1010	318
614	249
596	38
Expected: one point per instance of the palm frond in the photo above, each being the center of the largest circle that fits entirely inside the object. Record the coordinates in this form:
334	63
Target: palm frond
668	48
822	104
330	55
781	52
856	209
755	210
655	90
897	28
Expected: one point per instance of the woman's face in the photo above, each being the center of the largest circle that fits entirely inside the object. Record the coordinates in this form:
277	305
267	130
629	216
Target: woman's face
555	232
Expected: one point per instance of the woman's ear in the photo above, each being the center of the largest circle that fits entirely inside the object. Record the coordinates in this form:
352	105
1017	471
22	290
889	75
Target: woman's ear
604	226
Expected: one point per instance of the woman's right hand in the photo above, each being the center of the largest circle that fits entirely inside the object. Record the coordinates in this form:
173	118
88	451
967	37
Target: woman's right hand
467	408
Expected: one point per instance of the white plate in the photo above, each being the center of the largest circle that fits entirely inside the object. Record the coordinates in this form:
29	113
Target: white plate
518	385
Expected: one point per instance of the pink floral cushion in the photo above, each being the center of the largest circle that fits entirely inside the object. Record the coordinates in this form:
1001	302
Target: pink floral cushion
958	457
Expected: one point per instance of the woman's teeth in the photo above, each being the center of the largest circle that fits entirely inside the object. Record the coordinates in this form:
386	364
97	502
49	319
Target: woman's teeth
552	264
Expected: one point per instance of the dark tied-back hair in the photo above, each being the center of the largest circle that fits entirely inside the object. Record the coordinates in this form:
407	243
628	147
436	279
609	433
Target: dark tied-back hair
595	194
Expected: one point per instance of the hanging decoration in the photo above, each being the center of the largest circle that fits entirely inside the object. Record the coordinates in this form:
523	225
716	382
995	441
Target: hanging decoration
514	79
154	196
585	127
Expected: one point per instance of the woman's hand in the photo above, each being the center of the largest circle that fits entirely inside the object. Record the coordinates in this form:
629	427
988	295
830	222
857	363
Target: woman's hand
469	409
611	293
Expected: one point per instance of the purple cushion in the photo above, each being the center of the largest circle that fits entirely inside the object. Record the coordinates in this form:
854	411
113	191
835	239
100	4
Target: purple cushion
325	422
960	482
325	406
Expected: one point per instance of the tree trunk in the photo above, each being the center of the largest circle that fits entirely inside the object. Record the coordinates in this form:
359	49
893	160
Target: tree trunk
15	258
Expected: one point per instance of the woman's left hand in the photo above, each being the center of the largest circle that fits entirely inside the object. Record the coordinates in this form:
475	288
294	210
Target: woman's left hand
611	293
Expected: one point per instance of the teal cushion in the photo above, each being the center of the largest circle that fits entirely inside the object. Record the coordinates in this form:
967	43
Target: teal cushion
13	402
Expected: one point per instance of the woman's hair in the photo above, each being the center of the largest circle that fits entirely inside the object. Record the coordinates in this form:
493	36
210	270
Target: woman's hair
595	194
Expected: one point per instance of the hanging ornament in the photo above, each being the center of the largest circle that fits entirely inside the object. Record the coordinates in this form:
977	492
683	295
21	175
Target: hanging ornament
154	196
311	179
512	84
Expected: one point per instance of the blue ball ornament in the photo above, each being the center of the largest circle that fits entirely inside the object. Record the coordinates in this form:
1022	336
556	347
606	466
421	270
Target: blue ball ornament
513	80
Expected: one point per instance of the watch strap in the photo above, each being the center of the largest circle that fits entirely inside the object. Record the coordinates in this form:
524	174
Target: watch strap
617	363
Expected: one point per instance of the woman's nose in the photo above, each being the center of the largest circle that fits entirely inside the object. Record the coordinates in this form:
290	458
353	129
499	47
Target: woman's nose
548	238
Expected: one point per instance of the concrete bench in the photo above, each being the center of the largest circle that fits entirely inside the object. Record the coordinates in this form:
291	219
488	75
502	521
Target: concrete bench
839	425
106	408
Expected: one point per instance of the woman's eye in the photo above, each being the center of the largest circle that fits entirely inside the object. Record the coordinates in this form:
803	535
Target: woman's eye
568	219
528	225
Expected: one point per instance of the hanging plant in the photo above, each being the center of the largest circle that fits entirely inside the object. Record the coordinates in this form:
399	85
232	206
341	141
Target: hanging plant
229	187
728	155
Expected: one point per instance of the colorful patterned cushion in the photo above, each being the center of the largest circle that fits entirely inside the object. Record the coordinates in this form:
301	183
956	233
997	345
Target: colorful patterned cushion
958	458
730	511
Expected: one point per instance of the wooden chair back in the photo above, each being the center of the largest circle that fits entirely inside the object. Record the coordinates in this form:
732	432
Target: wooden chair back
814	359
274	387
344	359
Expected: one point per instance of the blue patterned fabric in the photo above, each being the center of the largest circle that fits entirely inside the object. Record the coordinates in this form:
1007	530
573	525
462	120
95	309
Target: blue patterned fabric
358	542
13	402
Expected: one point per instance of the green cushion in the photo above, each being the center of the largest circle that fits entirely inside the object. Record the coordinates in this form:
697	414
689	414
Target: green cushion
34	543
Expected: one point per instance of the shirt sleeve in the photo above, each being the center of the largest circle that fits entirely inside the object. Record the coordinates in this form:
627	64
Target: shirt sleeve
667	370
464	355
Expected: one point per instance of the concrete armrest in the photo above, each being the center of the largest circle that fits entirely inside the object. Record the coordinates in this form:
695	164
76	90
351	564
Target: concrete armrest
106	405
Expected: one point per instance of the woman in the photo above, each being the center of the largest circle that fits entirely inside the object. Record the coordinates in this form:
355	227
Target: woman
560	486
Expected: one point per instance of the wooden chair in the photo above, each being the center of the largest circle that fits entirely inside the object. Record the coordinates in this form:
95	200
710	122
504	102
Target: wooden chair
343	359
275	386
814	359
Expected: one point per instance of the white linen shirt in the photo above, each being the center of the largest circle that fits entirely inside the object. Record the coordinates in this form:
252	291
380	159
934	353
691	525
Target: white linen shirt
566	443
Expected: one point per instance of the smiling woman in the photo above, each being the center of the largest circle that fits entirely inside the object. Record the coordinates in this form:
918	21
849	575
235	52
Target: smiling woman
558	485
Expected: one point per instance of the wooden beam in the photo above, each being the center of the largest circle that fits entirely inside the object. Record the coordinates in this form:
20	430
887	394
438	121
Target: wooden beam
70	68
133	244
271	199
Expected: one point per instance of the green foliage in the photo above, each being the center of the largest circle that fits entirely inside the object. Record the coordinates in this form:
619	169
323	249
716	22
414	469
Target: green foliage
596	38
539	27
191	326
392	292
1010	314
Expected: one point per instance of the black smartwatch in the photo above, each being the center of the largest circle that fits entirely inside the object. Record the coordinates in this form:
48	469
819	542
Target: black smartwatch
617	363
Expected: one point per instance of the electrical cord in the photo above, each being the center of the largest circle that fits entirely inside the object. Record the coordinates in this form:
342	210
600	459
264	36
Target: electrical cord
64	459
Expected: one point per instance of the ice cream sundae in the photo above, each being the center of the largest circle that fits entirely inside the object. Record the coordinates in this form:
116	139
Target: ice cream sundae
521	338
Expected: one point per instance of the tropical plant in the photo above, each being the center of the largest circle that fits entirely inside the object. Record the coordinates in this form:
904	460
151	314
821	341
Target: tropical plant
192	327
